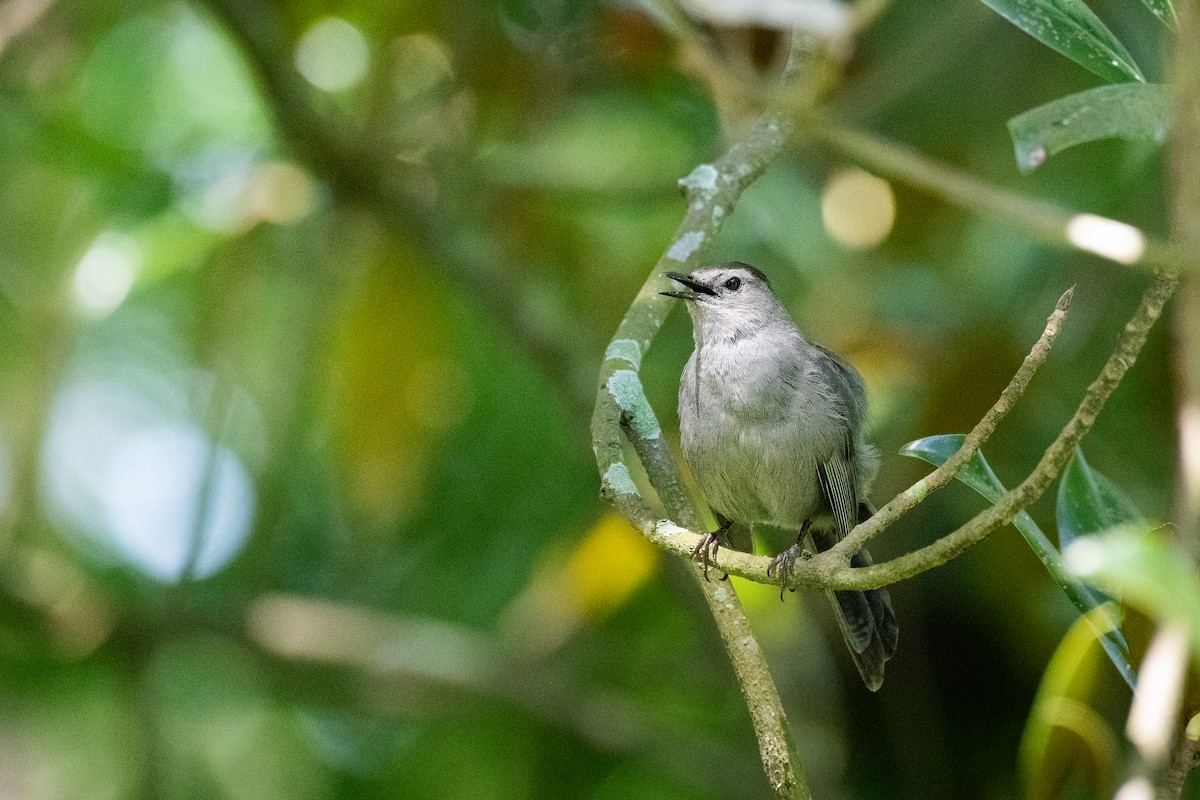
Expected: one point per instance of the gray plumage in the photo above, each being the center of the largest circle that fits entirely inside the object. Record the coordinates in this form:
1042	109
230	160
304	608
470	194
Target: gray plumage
771	427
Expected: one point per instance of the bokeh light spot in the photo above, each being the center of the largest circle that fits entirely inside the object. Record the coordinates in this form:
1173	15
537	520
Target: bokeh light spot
1118	241
858	209
421	64
275	192
152	492
177	502
280	193
106	274
332	55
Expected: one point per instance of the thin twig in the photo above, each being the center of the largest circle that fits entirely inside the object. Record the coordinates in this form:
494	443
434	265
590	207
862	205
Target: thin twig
1133	337
1185	758
906	500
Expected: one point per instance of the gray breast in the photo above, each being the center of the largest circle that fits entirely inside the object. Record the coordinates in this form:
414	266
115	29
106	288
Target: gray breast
754	424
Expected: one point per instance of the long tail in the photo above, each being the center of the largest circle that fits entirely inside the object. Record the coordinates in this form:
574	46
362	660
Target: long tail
867	619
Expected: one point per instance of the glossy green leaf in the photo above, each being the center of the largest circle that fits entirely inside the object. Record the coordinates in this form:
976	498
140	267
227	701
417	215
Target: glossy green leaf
1064	735
1070	27
1163	9
979	476
1136	111
1089	502
1145	569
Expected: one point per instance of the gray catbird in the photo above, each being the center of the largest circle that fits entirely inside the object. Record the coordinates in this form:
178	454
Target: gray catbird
771	426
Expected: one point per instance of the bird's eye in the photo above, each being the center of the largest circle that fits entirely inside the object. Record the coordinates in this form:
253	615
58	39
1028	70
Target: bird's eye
733	284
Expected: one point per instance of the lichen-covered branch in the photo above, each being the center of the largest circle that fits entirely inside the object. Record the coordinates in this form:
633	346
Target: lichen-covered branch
622	413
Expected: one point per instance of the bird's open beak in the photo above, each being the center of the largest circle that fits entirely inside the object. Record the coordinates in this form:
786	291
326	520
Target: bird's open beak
696	287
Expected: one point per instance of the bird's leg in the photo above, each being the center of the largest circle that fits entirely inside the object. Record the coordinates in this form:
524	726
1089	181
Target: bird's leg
706	549
784	564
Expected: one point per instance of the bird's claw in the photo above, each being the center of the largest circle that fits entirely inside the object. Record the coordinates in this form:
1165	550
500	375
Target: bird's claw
706	550
783	566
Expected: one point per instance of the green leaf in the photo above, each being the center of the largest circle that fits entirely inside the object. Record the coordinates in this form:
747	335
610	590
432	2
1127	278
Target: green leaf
1164	10
1137	111
1064	736
979	476
1089	502
1070	27
1146	570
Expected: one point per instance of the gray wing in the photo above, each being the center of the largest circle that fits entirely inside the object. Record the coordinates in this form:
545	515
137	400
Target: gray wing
838	474
839	485
866	619
846	384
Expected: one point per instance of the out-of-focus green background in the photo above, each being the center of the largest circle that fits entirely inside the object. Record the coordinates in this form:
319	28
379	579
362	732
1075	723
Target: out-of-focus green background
301	305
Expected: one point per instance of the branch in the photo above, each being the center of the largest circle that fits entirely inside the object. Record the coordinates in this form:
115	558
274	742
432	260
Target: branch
1046	222
353	169
1133	337
982	431
1183	761
671	537
622	411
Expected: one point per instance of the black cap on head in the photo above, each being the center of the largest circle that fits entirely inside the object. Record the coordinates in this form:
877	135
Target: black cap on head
755	271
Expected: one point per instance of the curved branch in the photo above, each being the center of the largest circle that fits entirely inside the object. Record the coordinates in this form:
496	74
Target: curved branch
622	412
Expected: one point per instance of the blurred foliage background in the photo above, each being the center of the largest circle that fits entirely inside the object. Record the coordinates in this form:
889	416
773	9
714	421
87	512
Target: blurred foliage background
301	305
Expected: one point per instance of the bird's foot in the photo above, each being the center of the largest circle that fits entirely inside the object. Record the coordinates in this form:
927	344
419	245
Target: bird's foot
706	549
783	566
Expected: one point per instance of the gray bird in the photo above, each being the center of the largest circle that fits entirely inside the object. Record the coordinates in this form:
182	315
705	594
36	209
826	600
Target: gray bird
771	426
